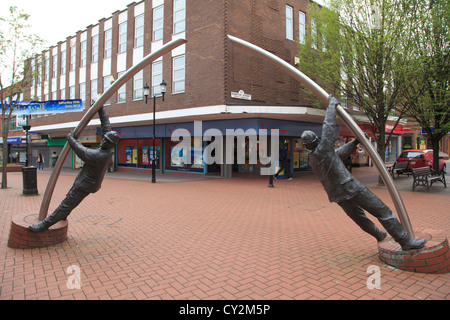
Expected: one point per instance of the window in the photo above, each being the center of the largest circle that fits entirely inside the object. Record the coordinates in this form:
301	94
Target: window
106	85
289	23
158	23
157	77
63	62
83	94
108	43
94	90
55	95
55	66
179	75
72	93
313	34
73	58
63	94
47	69
122	92
301	26
139	31
179	16
83	60
138	85
95	49
122	37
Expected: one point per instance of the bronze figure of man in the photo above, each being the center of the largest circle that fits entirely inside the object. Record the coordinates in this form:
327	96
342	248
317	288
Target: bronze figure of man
342	188
90	178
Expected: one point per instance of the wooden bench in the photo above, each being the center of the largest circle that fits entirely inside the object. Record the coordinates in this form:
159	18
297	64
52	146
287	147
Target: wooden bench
400	168
426	176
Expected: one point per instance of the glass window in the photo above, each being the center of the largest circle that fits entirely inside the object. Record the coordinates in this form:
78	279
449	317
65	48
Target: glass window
73	57
301	26
108	43
63	62
122	37
94	91
139	31
157	77
106	85
179	75
289	23
72	93
83	60
313	34
55	66
138	86
47	69
158	23
122	92
83	94
179	16
95	49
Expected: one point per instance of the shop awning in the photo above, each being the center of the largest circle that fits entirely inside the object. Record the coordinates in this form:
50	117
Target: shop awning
56	142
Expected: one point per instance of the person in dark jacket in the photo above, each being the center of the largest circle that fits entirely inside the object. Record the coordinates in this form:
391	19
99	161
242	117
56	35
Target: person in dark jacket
284	164
90	178
342	188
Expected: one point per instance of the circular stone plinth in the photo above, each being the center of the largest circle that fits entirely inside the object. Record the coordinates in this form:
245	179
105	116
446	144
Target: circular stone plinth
20	237
434	257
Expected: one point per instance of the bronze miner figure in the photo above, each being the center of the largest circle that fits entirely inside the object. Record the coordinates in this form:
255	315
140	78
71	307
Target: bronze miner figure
351	195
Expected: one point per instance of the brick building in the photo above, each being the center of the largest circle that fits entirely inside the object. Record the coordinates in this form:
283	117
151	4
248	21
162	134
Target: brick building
207	79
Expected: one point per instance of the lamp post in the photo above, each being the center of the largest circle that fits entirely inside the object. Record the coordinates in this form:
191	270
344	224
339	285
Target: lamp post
163	87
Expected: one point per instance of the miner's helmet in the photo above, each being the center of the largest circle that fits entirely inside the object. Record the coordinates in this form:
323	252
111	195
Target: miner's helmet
112	136
309	139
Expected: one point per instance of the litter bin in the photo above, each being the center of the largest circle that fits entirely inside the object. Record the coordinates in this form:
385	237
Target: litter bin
29	180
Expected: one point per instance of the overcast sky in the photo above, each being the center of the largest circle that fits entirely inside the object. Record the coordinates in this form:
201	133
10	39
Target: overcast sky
55	20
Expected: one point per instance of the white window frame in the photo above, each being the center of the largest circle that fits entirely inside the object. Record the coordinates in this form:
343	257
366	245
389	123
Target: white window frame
63	61
139	23
158	23
179	16
157	77
83	57
138	86
123	27
108	44
122	92
289	22
301	27
94	58
176	80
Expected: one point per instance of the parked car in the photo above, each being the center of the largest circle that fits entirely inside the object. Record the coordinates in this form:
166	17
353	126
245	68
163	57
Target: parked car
420	158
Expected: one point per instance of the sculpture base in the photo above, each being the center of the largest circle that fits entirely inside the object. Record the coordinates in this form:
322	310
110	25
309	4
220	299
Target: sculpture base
20	237
434	257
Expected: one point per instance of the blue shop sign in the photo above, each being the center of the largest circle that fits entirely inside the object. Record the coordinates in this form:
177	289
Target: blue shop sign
47	107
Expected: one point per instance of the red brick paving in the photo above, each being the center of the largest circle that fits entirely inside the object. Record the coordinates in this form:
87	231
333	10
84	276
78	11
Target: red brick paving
187	237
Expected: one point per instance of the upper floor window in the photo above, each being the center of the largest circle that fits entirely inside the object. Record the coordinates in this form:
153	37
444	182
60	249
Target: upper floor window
157	77
55	66
301	26
63	62
122	37
108	43
158	23
289	23
138	86
122	92
139	31
47	69
73	57
83	59
179	16
179	74
314	36
95	49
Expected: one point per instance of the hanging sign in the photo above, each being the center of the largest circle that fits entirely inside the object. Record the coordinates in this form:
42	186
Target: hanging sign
47	107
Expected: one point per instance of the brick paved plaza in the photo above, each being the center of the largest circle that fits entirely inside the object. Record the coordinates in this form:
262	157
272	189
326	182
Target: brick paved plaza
194	237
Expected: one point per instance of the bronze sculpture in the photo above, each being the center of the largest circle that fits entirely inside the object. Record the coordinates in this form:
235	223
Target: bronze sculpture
351	195
90	178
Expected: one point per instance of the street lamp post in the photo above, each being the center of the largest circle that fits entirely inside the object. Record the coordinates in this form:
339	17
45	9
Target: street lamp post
163	87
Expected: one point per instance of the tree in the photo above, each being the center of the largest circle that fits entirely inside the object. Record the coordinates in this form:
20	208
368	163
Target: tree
428	97
16	47
354	48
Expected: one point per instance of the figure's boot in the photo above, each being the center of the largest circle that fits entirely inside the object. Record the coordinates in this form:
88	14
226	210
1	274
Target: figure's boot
399	234
49	221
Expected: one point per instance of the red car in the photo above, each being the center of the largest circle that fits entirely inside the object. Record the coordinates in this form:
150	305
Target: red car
420	158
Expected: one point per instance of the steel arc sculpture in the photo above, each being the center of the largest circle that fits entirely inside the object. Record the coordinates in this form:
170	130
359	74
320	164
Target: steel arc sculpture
147	60
348	120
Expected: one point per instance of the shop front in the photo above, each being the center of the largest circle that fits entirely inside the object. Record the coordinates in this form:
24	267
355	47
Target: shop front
204	147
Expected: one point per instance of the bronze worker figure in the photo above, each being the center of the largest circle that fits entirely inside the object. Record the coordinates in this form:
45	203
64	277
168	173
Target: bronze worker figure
90	178
342	188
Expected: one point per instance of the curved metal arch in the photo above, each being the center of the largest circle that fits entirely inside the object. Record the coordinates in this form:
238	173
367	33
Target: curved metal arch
93	110
348	120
